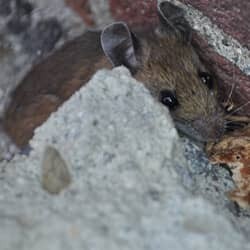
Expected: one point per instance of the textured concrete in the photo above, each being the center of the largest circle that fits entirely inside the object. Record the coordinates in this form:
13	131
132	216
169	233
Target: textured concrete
126	164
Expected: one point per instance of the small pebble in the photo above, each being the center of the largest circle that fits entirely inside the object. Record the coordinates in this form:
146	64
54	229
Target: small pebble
55	172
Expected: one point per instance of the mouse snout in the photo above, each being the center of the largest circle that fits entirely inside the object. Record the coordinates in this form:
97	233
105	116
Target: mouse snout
203	128
209	128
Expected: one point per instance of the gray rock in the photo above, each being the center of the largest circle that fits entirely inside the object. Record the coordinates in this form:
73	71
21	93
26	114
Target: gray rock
42	38
127	168
5	7
21	18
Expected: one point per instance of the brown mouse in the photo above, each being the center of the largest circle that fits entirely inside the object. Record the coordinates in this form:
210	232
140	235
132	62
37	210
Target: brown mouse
163	59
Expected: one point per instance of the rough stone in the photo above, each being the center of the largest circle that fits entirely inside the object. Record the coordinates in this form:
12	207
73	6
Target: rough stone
5	8
21	18
127	190
42	38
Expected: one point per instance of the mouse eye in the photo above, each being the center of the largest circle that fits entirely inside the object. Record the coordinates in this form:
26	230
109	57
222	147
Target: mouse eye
206	79
169	99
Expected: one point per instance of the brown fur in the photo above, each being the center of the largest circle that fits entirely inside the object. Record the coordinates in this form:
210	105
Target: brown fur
170	64
166	63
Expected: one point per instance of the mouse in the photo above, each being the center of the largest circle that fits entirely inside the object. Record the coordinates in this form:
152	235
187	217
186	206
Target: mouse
162	58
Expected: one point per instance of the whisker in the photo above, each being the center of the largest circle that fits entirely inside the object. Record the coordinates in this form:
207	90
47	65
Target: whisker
237	118
230	122
234	126
230	93
239	108
233	87
234	122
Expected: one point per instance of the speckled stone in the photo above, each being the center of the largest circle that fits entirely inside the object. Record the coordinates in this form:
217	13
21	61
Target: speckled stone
42	38
5	7
21	18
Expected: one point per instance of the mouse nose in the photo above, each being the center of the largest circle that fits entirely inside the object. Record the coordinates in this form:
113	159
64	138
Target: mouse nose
210	128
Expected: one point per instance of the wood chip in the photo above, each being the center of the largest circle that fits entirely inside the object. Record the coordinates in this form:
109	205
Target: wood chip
234	150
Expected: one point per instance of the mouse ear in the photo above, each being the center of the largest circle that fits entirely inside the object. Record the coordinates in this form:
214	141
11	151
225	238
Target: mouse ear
172	19
119	45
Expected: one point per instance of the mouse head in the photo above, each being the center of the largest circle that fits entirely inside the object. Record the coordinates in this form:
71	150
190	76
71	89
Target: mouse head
166	62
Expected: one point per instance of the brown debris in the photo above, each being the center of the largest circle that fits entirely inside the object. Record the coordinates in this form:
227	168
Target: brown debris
234	150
